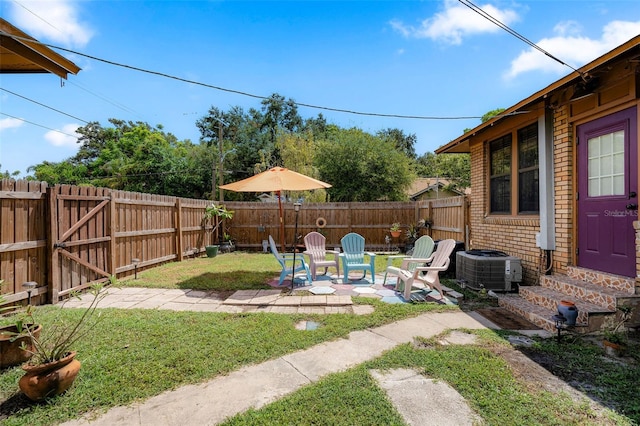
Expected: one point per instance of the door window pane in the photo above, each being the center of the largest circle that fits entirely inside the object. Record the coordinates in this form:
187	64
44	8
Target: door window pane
606	164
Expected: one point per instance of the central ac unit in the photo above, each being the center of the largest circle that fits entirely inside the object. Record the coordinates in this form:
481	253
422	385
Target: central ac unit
488	269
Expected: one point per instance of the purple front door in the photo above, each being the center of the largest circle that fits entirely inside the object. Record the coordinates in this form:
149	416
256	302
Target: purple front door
607	193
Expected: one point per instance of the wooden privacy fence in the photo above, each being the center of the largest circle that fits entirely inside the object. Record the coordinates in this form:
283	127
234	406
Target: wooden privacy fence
253	222
67	237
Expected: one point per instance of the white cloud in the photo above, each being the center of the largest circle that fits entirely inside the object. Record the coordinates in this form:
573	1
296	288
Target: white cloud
455	22
55	20
570	47
10	123
63	138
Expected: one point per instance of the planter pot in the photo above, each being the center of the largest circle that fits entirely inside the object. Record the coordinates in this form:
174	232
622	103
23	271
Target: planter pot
395	234
212	251
11	352
568	310
51	379
613	349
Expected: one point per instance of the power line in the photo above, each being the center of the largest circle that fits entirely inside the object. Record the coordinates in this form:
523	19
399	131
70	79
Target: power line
114	103
43	105
39	125
514	33
239	92
37	16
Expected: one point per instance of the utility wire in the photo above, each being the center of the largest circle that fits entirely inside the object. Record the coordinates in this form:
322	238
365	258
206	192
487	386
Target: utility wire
514	33
239	92
37	16
114	103
39	125
43	105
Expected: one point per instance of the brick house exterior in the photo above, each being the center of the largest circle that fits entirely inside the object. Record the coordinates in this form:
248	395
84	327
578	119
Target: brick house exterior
547	240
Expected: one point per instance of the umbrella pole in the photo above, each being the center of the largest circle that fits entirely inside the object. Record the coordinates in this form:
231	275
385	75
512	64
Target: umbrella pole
282	245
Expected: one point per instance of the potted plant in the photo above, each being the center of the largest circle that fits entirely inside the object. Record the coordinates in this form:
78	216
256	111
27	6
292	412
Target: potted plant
615	340
216	214
52	367
14	341
227	242
395	230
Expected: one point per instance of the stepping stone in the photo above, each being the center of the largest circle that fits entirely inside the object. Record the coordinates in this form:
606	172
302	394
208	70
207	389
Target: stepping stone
364	290
322	290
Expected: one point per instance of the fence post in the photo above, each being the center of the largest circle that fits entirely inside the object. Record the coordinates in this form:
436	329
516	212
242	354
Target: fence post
113	246
178	227
54	262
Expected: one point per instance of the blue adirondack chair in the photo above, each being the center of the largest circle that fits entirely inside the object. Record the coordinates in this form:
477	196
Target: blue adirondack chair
286	262
353	256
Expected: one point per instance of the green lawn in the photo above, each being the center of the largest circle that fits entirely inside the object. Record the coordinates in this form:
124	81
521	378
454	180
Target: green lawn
135	354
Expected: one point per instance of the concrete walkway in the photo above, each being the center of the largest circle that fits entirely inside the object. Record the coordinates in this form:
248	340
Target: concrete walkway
257	385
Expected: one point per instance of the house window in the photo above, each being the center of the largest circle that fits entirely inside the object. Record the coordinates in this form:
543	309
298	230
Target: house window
528	173
514	172
501	175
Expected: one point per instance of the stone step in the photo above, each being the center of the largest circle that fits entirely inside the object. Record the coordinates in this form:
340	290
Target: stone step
590	316
603	279
536	314
584	291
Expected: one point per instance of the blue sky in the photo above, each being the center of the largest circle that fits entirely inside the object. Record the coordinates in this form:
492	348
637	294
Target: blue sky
415	58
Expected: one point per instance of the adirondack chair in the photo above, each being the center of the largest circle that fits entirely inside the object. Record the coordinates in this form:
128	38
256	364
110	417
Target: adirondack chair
286	262
421	255
315	244
439	262
353	256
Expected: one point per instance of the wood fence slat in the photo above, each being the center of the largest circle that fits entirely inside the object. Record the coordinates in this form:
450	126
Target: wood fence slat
68	237
25	245
21	195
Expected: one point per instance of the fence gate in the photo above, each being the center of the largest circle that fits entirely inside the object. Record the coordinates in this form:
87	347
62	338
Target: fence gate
82	238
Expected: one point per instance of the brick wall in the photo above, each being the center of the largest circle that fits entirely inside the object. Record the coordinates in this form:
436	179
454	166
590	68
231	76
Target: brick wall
512	235
563	187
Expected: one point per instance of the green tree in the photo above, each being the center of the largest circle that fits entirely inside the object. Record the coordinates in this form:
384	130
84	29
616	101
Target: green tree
7	175
487	116
362	167
453	167
129	156
279	115
298	151
405	143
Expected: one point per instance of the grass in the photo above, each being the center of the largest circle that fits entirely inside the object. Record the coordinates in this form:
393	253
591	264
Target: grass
227	272
136	354
481	376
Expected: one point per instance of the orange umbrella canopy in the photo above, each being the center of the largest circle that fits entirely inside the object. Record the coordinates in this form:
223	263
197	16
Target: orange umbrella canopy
276	179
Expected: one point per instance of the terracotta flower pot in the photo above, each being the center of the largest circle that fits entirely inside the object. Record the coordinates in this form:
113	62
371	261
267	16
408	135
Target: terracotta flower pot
613	349
395	234
51	379
11	352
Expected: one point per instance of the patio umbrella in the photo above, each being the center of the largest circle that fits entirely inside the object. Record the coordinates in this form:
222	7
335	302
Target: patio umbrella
277	179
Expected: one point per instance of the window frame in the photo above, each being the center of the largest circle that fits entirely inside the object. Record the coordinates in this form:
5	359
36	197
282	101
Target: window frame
518	136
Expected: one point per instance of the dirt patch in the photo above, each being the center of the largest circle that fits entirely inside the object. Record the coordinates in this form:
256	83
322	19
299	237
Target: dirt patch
533	374
506	320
